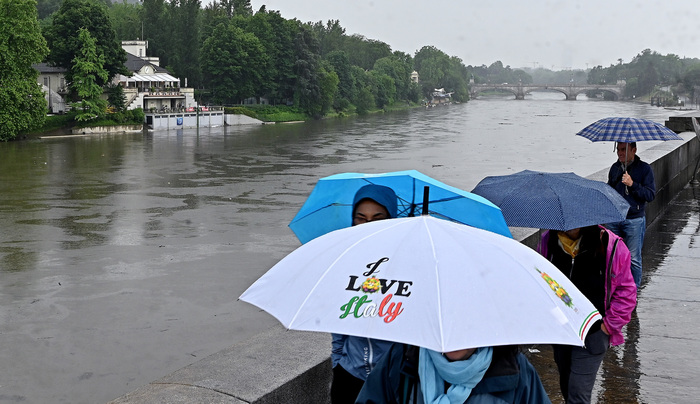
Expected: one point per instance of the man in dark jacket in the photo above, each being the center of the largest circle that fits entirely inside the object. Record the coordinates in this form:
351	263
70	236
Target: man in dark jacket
505	376
634	180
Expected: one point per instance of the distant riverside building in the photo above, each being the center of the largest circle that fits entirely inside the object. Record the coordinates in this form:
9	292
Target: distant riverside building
414	76
150	86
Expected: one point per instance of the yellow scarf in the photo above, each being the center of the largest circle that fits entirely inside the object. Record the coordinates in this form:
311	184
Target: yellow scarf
568	245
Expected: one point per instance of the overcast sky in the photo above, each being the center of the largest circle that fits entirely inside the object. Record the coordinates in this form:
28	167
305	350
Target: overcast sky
558	35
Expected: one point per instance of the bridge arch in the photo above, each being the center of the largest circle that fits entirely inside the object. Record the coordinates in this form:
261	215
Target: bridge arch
569	91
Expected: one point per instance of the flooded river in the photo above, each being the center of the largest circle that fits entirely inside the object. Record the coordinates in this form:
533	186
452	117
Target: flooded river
122	256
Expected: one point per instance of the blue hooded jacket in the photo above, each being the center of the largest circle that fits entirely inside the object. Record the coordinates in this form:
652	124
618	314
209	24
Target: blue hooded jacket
359	355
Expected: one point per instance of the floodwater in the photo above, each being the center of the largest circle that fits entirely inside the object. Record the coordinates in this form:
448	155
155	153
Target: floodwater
122	256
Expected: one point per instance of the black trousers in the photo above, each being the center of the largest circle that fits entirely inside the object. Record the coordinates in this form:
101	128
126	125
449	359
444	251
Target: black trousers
345	387
578	367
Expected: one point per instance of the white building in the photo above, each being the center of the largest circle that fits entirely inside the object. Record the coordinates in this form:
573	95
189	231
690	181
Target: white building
150	86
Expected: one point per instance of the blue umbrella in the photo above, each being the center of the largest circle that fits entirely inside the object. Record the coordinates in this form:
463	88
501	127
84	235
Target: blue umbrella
329	206
627	130
559	201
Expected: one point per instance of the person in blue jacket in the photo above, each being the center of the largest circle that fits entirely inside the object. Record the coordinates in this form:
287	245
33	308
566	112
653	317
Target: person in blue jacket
353	358
634	180
496	375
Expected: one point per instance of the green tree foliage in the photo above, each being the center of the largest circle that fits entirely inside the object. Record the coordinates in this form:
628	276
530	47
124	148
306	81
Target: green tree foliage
331	37
365	101
88	72
384	89
126	21
691	81
496	73
116	97
63	41
398	68
47	7
213	14
340	63
184	40
328	83
307	94
232	64
155	29
22	103
311	66
432	65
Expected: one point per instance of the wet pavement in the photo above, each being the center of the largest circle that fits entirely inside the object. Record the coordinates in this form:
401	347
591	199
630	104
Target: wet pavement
658	363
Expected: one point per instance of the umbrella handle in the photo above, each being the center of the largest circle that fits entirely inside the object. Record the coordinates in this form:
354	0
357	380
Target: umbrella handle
426	192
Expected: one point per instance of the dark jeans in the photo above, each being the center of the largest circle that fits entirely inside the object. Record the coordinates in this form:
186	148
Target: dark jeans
345	387
578	366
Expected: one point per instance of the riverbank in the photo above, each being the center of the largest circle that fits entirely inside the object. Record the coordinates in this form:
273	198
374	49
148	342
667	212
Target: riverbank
294	367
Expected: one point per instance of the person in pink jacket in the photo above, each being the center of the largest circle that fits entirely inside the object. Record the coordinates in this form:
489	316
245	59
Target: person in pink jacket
598	262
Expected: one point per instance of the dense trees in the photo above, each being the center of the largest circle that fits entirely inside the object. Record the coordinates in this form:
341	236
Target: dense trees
22	103
64	44
230	53
647	72
244	54
233	62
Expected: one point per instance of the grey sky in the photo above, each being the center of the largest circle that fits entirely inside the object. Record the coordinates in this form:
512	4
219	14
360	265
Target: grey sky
556	34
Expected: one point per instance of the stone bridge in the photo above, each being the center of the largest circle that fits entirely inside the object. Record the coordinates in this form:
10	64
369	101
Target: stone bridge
570	91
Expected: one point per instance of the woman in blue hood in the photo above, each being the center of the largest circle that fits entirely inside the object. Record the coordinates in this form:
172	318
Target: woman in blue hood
354	357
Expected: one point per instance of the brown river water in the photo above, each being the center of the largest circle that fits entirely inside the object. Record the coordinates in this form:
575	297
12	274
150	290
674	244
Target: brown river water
122	256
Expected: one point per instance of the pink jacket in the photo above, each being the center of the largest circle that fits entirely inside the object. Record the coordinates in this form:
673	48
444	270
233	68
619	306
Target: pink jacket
620	289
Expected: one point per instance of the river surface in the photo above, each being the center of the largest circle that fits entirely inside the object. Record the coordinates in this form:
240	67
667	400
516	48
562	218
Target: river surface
122	256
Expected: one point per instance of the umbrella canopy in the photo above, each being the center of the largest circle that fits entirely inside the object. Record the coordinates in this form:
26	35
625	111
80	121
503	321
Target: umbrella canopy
426	282
329	207
627	130
559	201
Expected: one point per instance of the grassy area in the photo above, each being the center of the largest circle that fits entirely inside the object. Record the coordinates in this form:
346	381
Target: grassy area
269	113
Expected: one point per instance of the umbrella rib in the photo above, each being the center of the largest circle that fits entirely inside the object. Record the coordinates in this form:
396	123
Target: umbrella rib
330	267
437	283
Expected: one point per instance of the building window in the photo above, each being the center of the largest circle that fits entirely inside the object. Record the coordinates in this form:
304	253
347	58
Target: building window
46	81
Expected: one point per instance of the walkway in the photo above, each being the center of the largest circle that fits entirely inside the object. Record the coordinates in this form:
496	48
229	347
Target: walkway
659	361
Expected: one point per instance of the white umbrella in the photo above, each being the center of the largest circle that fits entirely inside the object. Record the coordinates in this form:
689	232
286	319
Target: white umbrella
426	282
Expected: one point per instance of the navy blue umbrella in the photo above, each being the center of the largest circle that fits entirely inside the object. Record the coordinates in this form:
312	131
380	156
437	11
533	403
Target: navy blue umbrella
558	201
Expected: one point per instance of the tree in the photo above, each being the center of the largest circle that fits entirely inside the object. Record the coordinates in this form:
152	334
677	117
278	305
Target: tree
232	61
47	7
307	93
126	21
116	97
155	26
691	80
340	63
63	41
328	83
432	65
184	40
87	72
22	103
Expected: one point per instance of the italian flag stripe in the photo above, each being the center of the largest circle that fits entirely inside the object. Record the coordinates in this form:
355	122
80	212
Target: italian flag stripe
592	318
